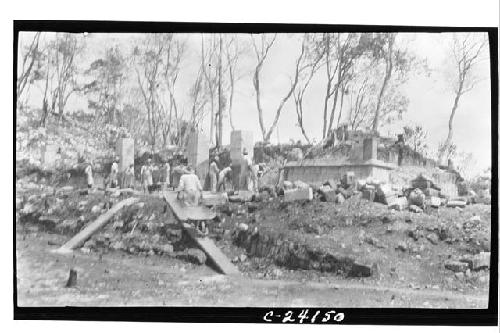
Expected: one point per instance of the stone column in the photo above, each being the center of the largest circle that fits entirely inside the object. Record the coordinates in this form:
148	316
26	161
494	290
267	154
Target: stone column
198	155
49	156
239	140
370	148
125	150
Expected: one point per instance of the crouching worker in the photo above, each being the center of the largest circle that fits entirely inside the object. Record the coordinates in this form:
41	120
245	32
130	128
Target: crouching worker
224	178
189	190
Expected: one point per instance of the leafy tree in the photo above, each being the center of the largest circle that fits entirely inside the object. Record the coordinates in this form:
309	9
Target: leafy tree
105	90
416	138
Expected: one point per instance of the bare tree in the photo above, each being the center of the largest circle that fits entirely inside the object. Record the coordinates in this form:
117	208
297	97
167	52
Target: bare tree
66	48
466	50
25	71
313	63
261	53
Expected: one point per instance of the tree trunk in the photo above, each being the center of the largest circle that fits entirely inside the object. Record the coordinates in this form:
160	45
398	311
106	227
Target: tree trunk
219	133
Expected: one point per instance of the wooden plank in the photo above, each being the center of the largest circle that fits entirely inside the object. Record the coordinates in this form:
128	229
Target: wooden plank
86	233
212	251
185	213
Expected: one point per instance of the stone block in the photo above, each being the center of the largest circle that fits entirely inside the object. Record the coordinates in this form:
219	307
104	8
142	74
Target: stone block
125	150
369	194
431	192
240	140
198	155
327	193
299	194
434	202
456	266
49	155
456	203
370	146
398	204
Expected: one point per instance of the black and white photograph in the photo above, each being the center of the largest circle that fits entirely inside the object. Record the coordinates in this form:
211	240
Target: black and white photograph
306	168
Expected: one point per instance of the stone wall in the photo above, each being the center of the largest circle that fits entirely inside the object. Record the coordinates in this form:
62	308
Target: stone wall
318	171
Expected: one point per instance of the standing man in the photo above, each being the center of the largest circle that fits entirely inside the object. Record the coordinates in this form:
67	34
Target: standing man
129	177
113	175
189	190
214	172
147	176
224	178
167	176
88	174
246	172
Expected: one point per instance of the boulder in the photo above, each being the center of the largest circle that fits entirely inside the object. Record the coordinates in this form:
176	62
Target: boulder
326	193
417	198
415	209
434	202
456	203
480	261
433	238
398	204
299	194
368	194
385	194
456	266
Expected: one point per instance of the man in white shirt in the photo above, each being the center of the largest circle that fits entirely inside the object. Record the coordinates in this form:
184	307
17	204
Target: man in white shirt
246	173
189	190
224	177
214	172
89	176
147	176
113	175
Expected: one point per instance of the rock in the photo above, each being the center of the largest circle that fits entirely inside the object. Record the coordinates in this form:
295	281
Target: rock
300	184
28	209
242	257
402	246
385	194
480	261
434	202
430	192
327	193
360	269
375	242
417	198
96	209
398	204
368	194
456	266
277	272
193	255
339	198
475	218
243	226
433	238
456	203
287	185
415	209
299	194
117	246
348	179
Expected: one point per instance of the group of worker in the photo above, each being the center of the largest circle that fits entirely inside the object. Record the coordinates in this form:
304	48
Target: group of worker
128	176
190	188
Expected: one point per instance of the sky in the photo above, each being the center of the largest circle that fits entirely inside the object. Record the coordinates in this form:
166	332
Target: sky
430	98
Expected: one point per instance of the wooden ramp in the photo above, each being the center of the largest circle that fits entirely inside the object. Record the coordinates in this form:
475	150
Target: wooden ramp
213	252
184	213
199	213
86	233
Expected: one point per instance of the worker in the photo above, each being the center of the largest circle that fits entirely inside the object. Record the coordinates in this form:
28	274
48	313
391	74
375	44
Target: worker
129	177
147	176
166	185
246	173
189	190
213	173
224	178
113	175
89	176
